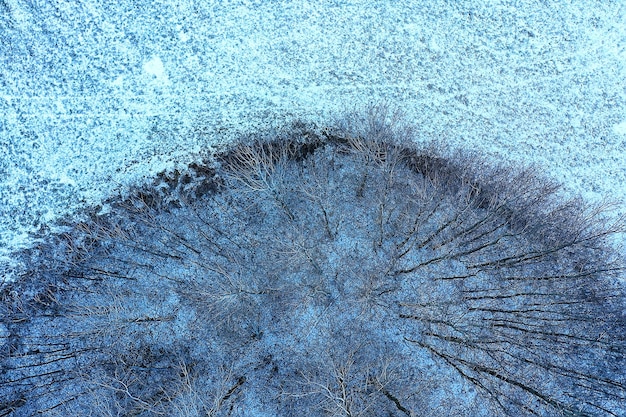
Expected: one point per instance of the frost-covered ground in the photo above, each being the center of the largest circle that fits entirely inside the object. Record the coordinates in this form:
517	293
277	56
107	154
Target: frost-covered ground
95	97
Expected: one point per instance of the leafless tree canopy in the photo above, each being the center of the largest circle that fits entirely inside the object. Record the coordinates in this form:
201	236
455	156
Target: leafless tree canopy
343	274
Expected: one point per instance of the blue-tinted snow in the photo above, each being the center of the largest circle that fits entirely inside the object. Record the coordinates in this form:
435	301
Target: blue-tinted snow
95	96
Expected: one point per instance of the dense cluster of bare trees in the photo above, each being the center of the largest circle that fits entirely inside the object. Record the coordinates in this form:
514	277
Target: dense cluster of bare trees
334	274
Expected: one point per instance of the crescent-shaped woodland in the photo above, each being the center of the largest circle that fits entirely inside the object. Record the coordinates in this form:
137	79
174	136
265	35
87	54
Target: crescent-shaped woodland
342	273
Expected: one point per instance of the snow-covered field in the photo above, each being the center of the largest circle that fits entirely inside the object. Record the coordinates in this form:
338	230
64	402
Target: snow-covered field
96	96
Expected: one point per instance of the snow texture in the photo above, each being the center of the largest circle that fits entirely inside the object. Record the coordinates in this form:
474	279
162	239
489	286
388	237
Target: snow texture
97	96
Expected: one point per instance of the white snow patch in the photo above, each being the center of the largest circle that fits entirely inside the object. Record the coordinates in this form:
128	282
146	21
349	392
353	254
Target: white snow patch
9	265
119	81
105	209
183	36
64	179
155	67
620	128
48	216
18	14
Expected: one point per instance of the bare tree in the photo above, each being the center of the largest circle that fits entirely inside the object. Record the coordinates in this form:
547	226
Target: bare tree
347	272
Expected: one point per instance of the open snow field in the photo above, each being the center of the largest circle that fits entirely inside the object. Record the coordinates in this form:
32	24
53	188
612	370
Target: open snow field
96	96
